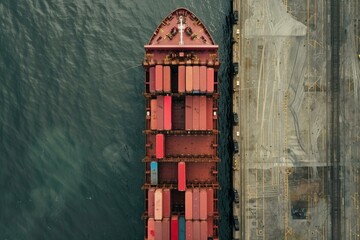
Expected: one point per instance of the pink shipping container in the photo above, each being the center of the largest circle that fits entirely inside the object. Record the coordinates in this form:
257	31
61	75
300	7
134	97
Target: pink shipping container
151	229
152	79
196	78
160	146
181	82
153	108
166	203
196	112
151	199
188	113
181	176
189	230
196	204
174	228
203	204
160	113
210	223
210	202
203	79
167	112
196	230
158	204
158	230
166	229
188	204
203	230
189	79
159	78
202	113
210	80
167	79
209	114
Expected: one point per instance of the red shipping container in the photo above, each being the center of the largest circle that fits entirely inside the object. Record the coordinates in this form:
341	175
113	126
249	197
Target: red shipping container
189	230
153	108
196	204
188	113
203	230
167	79
174	228
196	112
166	203
210	227
159	78
203	79
181	80
189	79
202	113
158	230
151	229
158	204
210	80
210	202
209	114
167	112
203	204
152	79
188	204
166	229
151	199
160	146
196	230
181	176
196	78
160	113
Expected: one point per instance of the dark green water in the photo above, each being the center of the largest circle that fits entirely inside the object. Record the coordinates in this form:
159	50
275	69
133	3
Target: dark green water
72	115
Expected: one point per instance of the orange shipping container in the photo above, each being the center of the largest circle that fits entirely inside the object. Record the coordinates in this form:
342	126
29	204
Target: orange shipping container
188	204
210	226
203	204
181	80
158	230
160	113
181	176
158	204
151	199
202	79
167	112
189	230
158	78
167	79
202	113
196	78
188	113
152	79
196	230
210	80
203	230
165	229
151	229
196	204
153	107
209	114
196	112
189	79
166	203
210	202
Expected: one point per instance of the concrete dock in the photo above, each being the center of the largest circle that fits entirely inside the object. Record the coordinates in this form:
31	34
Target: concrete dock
296	93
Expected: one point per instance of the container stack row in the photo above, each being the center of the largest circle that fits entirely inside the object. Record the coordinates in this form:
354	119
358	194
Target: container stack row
173	228
159	203
191	79
198	113
160	110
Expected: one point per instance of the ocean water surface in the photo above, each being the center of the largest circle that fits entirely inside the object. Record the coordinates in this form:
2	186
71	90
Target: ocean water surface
72	115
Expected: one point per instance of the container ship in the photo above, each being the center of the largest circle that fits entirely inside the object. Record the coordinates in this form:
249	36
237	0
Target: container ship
181	162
